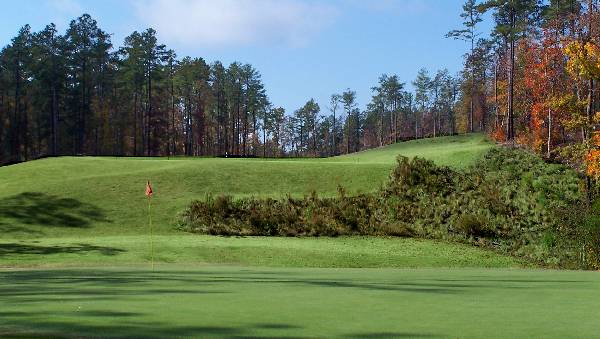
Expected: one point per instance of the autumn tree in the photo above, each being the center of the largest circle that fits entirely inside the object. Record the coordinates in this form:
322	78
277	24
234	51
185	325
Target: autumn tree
512	19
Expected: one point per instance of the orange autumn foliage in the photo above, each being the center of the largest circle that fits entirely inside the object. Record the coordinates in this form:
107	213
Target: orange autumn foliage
593	162
498	134
593	157
542	84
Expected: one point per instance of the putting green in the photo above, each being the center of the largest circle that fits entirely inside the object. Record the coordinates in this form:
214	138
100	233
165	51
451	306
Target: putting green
218	301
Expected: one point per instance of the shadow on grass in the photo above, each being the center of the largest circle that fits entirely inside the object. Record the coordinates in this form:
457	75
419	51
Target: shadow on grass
46	210
138	330
16	249
27	299
391	335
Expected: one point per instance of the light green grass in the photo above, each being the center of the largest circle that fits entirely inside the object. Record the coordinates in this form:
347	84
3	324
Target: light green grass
457	151
203	302
69	196
260	251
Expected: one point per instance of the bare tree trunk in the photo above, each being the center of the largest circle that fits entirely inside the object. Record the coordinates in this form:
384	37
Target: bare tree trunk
549	143
416	126
54	114
472	106
590	106
348	134
333	130
264	139
497	118
510	135
381	128
173	132
135	123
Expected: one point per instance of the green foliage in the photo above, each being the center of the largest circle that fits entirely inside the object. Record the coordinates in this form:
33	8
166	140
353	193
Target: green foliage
510	200
308	216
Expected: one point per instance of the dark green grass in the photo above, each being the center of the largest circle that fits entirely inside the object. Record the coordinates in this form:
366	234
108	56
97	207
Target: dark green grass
97	196
284	302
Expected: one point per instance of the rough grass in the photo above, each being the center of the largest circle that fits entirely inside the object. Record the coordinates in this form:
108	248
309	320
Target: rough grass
206	301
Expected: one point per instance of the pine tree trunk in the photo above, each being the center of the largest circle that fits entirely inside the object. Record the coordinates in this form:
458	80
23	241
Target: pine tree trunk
510	132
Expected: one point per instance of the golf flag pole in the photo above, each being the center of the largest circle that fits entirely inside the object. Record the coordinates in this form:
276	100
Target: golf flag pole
149	195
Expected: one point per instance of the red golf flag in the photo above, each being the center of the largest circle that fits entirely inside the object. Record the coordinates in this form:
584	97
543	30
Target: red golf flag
148	189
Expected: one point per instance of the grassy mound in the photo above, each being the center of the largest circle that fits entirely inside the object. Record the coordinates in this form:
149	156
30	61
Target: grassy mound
91	211
75	196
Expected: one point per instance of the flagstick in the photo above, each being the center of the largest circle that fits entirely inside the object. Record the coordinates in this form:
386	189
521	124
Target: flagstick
151	235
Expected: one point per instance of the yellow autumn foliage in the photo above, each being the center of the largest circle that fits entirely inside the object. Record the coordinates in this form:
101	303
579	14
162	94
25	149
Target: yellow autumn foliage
584	59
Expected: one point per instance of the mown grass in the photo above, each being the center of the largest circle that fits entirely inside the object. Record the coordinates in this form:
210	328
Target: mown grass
456	151
341	252
75	249
206	301
69	196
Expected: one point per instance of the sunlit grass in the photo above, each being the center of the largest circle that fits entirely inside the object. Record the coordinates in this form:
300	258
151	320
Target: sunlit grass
114	187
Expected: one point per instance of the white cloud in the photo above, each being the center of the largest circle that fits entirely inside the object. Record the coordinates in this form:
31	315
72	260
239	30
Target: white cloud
235	22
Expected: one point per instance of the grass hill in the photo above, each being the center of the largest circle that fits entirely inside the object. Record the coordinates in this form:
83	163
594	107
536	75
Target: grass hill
82	211
79	196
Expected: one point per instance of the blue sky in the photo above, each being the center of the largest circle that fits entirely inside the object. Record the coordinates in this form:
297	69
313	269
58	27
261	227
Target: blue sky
303	48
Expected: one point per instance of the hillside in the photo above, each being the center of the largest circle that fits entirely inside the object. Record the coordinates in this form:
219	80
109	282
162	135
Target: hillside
78	196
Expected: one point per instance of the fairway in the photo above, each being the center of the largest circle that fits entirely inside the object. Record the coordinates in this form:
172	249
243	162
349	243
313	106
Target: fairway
75	259
255	251
208	301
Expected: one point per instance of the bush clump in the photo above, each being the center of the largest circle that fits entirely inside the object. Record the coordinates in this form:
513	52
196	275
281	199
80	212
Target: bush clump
511	200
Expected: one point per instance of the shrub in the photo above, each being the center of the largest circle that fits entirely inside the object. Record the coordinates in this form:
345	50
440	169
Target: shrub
511	200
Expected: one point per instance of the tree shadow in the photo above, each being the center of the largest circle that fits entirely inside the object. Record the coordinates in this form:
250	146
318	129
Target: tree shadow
56	329
41	209
391	335
12	249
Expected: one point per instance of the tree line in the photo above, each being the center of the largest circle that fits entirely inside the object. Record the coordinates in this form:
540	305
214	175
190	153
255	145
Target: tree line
533	81
76	94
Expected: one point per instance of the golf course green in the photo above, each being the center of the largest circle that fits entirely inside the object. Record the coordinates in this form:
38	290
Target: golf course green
230	301
75	258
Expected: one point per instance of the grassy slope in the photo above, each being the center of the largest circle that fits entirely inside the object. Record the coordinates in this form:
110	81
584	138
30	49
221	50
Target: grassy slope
91	212
94	212
458	152
70	196
208	301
